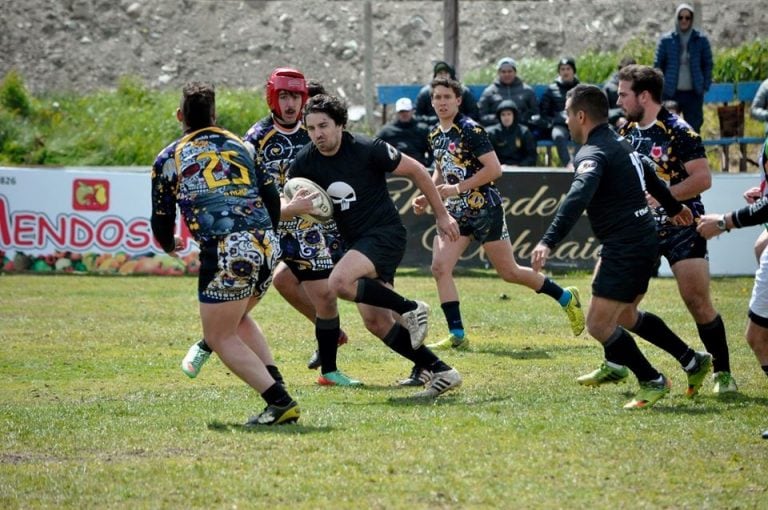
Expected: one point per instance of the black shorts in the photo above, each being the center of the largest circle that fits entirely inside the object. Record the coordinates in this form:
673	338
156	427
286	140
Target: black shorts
385	247
624	271
681	243
485	225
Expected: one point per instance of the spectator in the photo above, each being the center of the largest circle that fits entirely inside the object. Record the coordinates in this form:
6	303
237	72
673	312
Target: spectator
512	141
759	109
426	114
611	90
685	57
552	108
407	135
507	86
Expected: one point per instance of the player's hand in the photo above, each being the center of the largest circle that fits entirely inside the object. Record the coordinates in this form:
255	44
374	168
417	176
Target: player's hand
448	190
683	218
539	256
178	245
448	228
302	202
707	227
420	205
652	202
752	195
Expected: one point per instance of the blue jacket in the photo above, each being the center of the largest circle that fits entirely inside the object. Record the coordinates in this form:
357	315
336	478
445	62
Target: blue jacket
668	60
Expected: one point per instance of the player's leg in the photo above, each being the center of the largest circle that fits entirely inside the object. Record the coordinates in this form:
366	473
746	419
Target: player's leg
359	274
757	327
382	323
327	330
289	287
445	255
501	255
692	276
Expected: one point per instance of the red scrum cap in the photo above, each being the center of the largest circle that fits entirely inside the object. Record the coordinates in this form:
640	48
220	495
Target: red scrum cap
285	78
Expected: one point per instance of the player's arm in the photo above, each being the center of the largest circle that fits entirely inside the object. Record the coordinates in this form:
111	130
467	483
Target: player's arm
698	181
756	213
163	220
409	167
580	194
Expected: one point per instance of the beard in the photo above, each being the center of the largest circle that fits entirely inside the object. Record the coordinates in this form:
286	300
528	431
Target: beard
635	115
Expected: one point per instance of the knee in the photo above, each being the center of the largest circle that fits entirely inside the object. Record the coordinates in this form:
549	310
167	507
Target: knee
378	325
338	286
440	269
283	281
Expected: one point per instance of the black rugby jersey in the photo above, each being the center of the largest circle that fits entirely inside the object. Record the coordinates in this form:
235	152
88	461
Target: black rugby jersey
356	180
610	183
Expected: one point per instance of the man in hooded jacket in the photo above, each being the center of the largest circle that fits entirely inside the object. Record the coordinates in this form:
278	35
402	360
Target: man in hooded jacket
508	85
513	142
684	55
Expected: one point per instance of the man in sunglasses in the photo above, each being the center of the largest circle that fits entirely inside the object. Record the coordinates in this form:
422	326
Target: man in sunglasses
685	57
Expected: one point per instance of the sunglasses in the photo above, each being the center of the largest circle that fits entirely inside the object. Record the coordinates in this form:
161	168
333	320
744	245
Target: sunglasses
681	18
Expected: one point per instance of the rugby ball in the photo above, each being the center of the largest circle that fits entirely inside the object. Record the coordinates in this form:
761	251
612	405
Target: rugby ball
323	210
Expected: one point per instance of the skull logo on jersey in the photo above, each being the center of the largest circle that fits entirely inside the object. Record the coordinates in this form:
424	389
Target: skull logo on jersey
342	194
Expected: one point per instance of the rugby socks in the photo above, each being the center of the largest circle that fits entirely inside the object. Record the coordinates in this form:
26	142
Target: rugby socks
453	317
277	396
713	337
765	369
276	375
399	340
621	348
204	346
374	293
327	333
653	329
554	291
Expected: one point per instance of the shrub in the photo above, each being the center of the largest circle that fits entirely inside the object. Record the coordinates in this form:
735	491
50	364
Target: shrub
14	96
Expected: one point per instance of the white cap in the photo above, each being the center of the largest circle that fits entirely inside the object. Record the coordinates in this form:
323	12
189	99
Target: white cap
403	105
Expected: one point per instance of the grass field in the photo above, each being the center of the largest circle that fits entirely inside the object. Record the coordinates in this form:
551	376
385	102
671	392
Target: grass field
95	412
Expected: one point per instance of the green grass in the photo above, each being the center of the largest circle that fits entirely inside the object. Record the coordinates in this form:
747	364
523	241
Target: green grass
95	412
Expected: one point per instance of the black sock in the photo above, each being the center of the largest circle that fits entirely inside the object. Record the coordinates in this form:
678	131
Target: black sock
452	315
327	334
399	340
653	329
374	293
276	375
276	396
551	289
765	369
204	346
713	337
621	348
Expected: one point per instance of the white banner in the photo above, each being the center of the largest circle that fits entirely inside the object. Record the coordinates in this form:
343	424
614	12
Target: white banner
97	219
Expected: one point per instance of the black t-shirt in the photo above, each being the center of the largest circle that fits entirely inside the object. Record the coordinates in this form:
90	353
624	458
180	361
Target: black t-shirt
609	184
356	180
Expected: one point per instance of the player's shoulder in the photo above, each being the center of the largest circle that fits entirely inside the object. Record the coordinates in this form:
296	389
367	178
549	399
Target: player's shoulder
259	129
167	153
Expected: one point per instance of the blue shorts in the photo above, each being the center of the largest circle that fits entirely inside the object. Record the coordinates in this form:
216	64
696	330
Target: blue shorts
485	225
681	243
237	266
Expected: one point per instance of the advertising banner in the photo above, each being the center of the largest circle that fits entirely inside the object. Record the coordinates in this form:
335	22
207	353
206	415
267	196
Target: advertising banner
97	220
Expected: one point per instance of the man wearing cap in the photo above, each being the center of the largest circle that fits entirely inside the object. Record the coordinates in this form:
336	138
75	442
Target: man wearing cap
684	55
507	86
407	135
426	115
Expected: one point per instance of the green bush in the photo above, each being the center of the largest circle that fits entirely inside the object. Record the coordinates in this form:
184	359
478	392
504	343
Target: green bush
14	96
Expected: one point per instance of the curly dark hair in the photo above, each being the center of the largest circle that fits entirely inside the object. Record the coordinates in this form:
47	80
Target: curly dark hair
332	106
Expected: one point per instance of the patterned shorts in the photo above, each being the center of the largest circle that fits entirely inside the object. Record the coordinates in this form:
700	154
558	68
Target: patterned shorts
681	243
238	266
485	225
308	248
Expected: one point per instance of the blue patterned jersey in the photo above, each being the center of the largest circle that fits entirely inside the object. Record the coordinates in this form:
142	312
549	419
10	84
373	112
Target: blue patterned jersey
456	154
210	174
671	143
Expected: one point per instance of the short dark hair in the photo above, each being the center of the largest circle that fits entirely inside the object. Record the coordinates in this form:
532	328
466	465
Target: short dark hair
644	78
332	106
198	104
446	82
315	88
591	100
